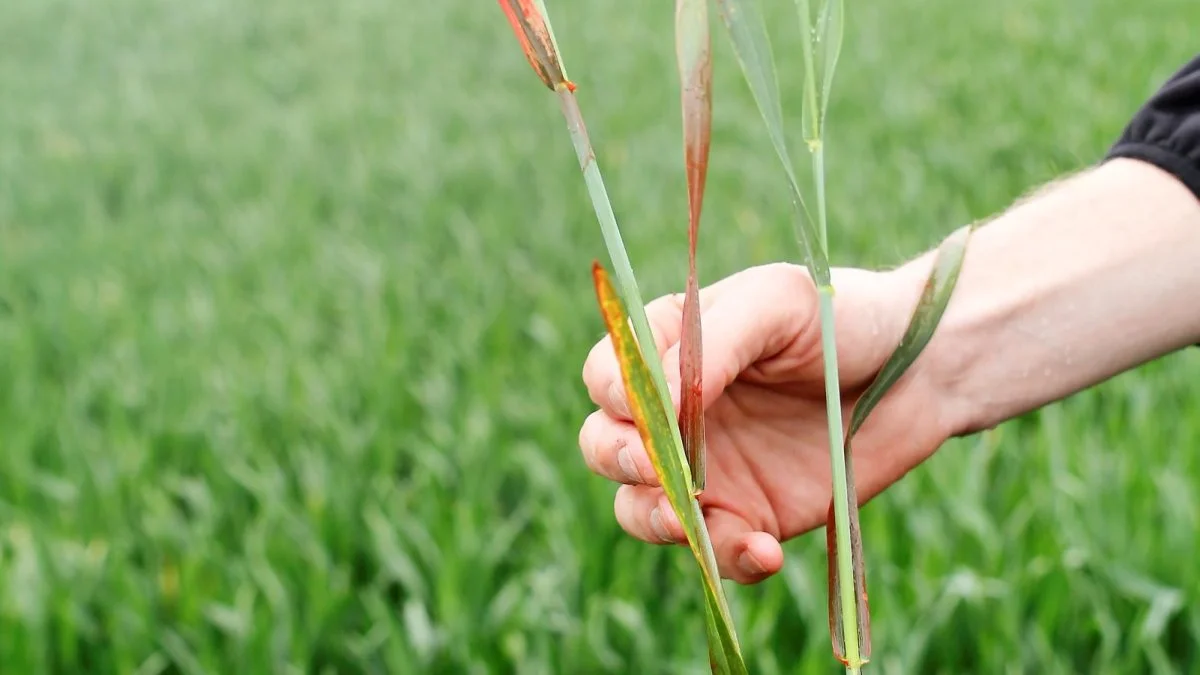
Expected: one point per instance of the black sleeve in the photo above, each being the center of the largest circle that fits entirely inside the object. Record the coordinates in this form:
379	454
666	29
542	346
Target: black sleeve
1165	131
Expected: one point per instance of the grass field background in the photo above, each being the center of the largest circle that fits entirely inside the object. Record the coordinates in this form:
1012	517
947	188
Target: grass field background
294	297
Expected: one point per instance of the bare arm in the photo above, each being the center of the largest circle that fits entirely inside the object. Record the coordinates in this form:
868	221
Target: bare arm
1091	277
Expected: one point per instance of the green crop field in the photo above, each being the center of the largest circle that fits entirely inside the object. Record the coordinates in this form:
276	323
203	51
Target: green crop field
294	297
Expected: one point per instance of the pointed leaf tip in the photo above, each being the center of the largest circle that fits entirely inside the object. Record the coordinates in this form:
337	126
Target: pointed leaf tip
925	319
532	28
694	56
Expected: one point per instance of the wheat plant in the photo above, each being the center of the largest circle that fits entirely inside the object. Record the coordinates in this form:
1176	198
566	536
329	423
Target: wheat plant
674	443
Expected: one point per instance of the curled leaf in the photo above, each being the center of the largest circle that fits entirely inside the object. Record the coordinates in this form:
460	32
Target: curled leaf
694	55
925	319
822	47
532	28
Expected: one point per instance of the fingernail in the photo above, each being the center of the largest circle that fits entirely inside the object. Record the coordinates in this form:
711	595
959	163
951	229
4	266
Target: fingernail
625	459
659	525
616	395
749	564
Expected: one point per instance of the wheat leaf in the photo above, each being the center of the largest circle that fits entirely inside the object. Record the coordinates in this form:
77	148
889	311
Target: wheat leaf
752	47
925	319
694	56
652	421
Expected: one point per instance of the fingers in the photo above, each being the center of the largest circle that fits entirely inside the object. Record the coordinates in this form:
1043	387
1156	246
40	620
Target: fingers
602	373
743	554
645	513
742	328
613	448
745	317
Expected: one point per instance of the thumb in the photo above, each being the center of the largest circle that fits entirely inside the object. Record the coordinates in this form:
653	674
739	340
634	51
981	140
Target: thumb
743	327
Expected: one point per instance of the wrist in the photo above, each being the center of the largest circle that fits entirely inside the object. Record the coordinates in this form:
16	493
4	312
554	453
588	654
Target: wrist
1081	282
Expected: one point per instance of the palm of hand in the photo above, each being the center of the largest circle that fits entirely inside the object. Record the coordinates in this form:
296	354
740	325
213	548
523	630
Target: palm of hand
766	429
768	455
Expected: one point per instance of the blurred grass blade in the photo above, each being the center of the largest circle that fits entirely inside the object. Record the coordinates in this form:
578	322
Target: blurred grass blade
925	319
529	22
694	55
652	421
752	47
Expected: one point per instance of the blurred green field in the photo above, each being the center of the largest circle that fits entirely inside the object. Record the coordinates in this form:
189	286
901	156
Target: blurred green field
294	297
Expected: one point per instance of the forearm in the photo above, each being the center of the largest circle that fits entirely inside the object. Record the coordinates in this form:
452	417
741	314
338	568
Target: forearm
1087	279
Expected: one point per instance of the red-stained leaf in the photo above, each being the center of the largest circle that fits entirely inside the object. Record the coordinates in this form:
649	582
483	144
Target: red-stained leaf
693	51
533	31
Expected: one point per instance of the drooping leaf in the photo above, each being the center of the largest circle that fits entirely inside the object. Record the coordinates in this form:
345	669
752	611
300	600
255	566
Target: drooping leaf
694	56
930	308
653	424
752	47
925	319
532	27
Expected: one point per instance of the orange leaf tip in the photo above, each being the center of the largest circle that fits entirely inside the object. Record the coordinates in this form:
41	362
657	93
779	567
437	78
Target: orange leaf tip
533	32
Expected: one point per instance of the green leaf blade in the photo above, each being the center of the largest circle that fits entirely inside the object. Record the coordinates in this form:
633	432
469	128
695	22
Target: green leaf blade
613	241
752	46
830	35
925	319
822	49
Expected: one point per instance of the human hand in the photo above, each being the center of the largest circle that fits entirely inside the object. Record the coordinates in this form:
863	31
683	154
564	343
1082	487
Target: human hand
764	399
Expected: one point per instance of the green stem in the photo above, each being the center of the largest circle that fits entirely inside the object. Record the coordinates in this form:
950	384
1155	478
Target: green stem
837	458
817	150
622	268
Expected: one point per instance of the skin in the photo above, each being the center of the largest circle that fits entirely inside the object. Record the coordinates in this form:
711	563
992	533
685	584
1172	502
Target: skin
1089	277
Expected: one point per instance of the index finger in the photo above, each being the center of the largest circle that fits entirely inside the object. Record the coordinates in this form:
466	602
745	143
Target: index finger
602	372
